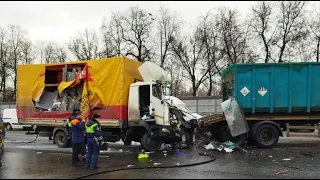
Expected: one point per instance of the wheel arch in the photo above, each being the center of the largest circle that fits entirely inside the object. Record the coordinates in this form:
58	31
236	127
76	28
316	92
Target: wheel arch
58	129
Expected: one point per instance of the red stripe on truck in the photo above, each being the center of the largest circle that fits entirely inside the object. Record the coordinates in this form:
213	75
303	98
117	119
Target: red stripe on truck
107	112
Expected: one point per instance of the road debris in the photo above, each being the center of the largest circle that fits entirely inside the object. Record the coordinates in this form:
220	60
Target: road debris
143	156
165	153
308	154
270	156
226	146
39	153
286	159
292	167
156	164
129	166
178	153
282	172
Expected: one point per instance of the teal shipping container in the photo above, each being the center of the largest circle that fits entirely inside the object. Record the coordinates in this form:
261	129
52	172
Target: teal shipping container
274	87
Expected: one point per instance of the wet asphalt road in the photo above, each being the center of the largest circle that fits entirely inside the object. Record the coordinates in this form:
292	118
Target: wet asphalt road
42	159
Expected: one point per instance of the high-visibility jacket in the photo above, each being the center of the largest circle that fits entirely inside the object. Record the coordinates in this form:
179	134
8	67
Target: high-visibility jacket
93	130
69	123
90	129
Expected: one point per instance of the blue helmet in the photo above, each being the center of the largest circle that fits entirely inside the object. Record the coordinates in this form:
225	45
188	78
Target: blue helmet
96	116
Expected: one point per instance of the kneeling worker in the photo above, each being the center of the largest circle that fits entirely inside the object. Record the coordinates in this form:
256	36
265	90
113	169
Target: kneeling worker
94	139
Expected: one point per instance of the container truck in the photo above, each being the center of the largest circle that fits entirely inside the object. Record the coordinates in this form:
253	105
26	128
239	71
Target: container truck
115	88
270	95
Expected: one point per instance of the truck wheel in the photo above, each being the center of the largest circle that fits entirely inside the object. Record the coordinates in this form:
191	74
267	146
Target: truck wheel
61	139
267	135
225	135
149	143
9	127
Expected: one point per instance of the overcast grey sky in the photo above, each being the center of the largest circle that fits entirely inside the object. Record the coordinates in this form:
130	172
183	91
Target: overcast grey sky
57	21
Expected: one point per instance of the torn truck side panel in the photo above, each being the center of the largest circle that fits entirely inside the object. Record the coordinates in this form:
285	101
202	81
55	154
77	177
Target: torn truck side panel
102	88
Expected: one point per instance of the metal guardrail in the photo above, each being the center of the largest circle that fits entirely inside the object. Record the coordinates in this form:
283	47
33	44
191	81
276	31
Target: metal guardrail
6	105
201	105
204	105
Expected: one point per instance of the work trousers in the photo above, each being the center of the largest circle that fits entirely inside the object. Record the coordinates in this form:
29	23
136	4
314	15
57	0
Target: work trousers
78	148
93	153
189	133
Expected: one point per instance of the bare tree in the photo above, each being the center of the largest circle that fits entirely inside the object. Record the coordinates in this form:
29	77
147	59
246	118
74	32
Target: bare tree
314	27
190	52
175	76
49	53
53	53
28	53
85	45
169	27
233	35
262	25
4	61
213	56
16	36
291	26
135	27
111	37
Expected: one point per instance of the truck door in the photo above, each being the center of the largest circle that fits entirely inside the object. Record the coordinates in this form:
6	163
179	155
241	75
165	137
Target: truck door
156	104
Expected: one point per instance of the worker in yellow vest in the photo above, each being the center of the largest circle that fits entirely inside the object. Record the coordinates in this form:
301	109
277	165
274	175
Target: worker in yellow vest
94	140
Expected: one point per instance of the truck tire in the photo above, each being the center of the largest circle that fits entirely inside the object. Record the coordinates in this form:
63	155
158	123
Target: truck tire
225	135
9	127
149	143
266	136
61	139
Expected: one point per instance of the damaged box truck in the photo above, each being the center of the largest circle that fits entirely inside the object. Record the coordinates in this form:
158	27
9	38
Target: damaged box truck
128	95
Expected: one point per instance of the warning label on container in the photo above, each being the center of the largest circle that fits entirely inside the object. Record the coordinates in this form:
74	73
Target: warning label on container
262	91
245	91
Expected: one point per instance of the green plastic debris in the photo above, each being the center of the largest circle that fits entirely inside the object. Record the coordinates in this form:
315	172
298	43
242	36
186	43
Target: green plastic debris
226	146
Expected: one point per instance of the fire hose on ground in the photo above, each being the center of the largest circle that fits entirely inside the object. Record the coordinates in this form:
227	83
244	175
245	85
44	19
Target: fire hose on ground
21	142
151	167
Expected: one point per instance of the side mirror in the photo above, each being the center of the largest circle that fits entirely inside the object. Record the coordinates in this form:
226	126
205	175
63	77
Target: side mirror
167	91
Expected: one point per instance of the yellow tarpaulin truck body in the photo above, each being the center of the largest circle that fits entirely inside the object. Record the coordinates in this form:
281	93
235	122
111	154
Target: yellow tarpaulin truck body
106	84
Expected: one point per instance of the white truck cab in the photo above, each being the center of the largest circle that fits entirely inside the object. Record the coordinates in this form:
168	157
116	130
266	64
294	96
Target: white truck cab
149	94
164	124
